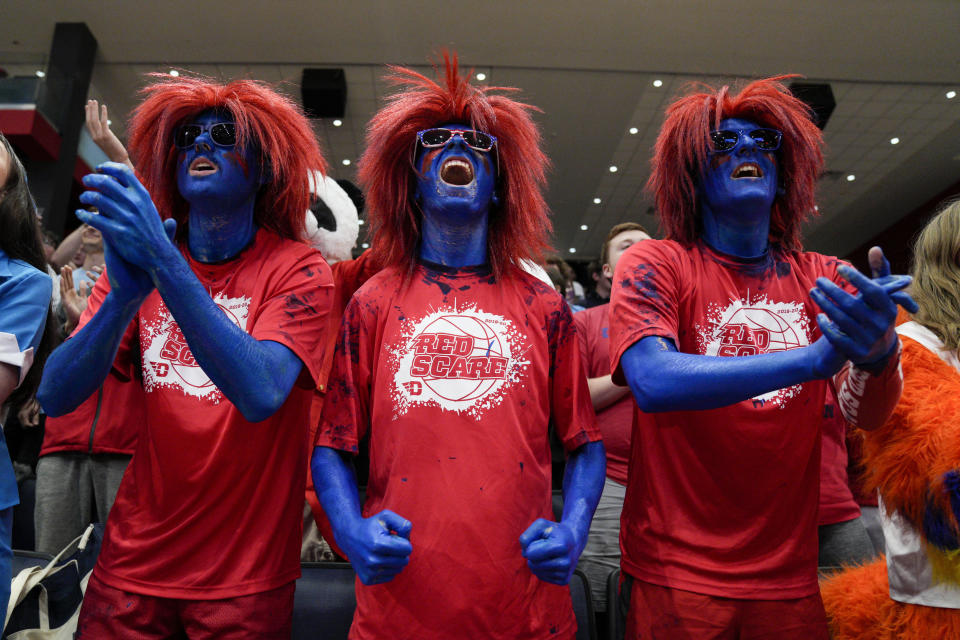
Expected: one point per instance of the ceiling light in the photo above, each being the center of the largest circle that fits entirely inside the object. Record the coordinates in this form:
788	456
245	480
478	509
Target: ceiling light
951	95
634	131
365	245
573	249
41	73
613	168
583	227
597	201
658	83
894	140
816	208
337	122
109	122
360	222
346	162
481	77
851	177
174	73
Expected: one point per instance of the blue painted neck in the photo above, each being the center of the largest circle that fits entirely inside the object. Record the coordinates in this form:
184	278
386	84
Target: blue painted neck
216	233
743	232
454	243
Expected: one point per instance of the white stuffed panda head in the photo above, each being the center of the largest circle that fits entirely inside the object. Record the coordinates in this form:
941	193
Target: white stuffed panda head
332	223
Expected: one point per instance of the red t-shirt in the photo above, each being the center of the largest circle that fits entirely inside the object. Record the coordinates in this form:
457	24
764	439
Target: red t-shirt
457	377
615	420
837	503
723	502
210	506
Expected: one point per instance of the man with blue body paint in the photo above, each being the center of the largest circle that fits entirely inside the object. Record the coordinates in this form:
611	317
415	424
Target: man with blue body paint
716	332
453	360
220	310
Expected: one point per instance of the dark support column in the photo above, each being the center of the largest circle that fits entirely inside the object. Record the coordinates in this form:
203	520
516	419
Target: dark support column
61	101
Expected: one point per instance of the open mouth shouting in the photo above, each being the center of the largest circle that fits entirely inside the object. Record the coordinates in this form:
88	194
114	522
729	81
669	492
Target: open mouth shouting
456	172
747	170
202	167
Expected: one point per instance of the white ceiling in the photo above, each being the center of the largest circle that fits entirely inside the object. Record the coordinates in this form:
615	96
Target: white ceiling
590	68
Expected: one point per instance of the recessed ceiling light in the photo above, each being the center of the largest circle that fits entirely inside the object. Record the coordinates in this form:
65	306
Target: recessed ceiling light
346	162
41	73
174	73
583	227
851	177
481	77
365	245
573	249
816	208
597	201
337	122
634	131
109	122
894	140
613	168
951	95
658	83
360	222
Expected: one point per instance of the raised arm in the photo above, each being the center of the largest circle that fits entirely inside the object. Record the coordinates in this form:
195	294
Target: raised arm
98	126
254	375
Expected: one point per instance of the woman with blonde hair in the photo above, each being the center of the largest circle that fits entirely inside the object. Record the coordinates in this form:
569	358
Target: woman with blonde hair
914	463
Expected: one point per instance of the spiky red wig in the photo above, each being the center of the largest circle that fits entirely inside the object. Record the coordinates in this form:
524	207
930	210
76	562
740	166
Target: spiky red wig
272	123
682	150
519	227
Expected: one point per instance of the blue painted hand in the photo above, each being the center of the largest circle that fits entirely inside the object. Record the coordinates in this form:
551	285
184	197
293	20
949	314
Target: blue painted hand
861	326
378	547
552	550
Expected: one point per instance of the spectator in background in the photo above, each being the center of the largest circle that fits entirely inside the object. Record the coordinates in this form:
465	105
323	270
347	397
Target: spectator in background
614	407
600	292
572	290
25	292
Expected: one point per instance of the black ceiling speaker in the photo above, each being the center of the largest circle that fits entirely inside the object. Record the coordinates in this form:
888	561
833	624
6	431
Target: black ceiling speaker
324	93
819	97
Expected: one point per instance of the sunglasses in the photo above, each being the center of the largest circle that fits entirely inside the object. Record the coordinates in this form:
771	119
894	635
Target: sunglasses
223	134
478	140
725	140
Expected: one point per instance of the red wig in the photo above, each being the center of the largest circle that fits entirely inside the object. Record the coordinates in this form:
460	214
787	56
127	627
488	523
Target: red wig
272	123
518	227
682	150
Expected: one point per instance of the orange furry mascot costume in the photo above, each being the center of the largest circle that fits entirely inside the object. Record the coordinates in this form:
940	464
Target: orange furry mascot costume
913	461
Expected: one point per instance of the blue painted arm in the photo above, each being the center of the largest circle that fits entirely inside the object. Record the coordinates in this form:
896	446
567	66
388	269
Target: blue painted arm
256	376
663	379
79	366
857	327
553	548
378	547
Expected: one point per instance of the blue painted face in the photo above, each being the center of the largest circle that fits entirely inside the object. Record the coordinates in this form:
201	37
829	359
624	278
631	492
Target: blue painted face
742	177
455	179
206	171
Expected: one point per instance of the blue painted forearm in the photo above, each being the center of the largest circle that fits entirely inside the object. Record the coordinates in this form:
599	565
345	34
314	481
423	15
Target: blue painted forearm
77	368
662	379
256	376
582	485
335	483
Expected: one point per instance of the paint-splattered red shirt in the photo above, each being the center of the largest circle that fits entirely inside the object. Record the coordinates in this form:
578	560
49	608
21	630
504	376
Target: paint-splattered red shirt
456	377
211	504
724	501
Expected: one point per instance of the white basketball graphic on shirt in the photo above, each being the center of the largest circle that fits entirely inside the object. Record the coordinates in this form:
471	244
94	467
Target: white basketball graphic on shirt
751	328
461	360
485	343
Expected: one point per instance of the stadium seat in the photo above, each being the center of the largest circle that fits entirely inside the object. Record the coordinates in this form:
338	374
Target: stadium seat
324	601
582	606
616	622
